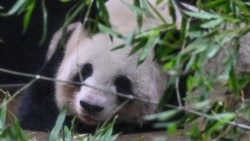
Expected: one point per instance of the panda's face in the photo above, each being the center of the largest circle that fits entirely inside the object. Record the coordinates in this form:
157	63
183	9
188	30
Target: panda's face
93	63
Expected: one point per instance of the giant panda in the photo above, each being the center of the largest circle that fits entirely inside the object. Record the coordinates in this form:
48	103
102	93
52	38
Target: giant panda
89	74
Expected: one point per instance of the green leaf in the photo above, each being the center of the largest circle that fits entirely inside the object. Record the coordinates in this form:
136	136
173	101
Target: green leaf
212	23
130	39
224	117
45	23
105	133
17	130
190	63
212	53
54	134
15	8
157	13
110	31
65	1
202	15
171	128
216	3
138	10
152	41
168	65
221	120
68	134
163	115
201	105
247	3
27	16
147	49
139	45
71	14
3	112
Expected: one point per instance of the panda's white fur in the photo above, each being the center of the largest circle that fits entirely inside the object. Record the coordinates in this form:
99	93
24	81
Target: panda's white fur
148	81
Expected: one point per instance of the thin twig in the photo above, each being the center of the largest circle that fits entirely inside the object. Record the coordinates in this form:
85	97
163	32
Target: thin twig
87	14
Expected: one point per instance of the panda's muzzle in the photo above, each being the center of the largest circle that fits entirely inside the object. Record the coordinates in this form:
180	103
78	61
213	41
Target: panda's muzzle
91	108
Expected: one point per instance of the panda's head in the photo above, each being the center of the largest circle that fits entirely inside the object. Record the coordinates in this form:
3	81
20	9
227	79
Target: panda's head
93	63
91	60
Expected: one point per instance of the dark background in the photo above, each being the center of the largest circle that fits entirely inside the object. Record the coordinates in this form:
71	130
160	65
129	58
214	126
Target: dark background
21	51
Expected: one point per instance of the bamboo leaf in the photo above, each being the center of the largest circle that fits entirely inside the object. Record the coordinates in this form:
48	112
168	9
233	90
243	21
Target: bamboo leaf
202	15
3	115
27	16
54	134
212	23
162	116
45	23
15	8
109	31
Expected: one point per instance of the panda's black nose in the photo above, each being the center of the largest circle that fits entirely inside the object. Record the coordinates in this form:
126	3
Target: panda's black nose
91	108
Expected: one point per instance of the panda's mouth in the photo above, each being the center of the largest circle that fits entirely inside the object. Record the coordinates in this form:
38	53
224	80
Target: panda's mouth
89	120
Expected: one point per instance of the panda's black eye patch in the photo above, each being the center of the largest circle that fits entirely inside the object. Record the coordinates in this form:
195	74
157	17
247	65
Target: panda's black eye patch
85	72
123	85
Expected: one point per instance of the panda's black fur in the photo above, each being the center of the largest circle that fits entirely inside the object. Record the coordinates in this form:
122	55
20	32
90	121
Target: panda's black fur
37	102
19	50
38	110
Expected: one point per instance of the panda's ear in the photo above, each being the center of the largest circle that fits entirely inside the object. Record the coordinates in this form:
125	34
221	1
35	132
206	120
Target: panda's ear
77	35
72	34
